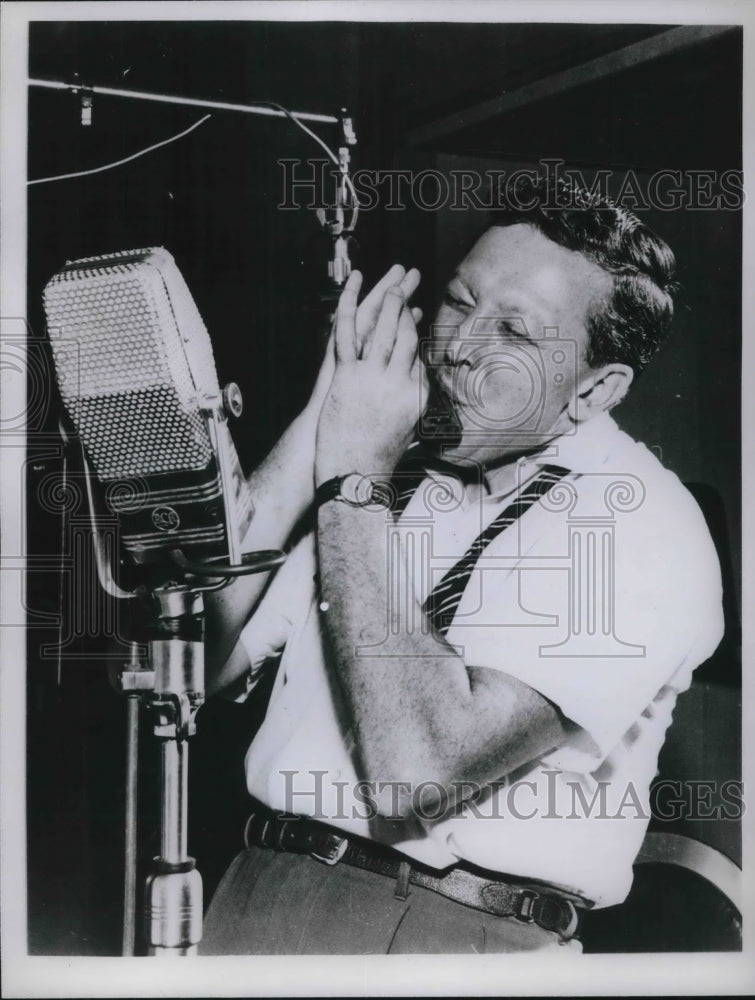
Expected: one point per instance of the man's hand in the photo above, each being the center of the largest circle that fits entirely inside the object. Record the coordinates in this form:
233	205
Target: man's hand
366	318
378	391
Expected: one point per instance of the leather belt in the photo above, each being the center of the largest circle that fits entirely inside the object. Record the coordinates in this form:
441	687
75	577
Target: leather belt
487	892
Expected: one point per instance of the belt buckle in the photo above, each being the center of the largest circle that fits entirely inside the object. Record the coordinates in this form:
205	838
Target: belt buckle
526	906
336	851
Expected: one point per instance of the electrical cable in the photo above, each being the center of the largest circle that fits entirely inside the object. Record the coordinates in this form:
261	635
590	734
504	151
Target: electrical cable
270	104
329	151
118	163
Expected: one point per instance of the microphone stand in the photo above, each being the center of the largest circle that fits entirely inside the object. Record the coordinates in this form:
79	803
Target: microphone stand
172	685
134	680
173	904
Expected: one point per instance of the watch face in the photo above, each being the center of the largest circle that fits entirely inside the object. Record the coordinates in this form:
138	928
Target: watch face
357	489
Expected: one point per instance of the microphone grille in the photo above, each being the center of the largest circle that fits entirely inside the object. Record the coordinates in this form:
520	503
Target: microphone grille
133	358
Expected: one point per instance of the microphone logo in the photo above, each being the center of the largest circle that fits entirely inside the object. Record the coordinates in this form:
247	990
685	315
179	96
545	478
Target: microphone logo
165	518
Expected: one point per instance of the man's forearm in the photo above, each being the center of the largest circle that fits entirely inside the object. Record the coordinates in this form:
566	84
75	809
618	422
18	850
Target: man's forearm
282	489
408	692
420	713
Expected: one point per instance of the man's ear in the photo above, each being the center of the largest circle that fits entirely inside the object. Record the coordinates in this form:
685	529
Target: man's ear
601	389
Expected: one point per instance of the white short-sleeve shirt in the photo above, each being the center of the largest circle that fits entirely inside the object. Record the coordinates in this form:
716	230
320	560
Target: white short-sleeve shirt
604	597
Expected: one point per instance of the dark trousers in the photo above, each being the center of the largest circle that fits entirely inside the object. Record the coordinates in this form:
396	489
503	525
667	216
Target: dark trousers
271	903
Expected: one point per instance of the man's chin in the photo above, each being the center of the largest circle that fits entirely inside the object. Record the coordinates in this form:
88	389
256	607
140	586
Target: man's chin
450	452
468	455
454	453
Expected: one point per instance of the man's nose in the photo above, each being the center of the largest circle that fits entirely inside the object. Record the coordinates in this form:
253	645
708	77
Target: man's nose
455	343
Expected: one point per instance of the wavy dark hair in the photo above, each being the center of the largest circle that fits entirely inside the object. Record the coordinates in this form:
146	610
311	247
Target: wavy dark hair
632	321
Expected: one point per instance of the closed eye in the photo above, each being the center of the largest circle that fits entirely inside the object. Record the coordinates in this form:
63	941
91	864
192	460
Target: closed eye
513	328
455	302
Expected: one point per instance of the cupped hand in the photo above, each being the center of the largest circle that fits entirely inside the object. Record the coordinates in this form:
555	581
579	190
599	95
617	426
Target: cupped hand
378	390
366	318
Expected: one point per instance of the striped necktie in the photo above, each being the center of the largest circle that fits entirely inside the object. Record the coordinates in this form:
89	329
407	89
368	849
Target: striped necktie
441	605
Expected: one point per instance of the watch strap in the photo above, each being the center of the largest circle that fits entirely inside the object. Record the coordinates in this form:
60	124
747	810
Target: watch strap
380	493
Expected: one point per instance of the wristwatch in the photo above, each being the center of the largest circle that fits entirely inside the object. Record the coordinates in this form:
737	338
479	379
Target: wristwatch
354	489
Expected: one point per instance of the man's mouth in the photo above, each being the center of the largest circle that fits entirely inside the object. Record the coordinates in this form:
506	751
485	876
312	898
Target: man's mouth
440	421
442	381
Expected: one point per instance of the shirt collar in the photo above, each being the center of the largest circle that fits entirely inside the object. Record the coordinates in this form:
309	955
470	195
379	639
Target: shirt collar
585	449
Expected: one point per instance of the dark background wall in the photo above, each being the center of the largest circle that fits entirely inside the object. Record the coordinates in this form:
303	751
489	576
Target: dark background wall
254	271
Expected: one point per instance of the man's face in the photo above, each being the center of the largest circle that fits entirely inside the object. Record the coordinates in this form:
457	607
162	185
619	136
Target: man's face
508	343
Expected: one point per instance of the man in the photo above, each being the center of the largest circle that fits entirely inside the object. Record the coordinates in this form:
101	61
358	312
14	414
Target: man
473	687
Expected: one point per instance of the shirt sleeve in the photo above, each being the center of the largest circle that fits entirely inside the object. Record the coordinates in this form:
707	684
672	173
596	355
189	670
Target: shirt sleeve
601	635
